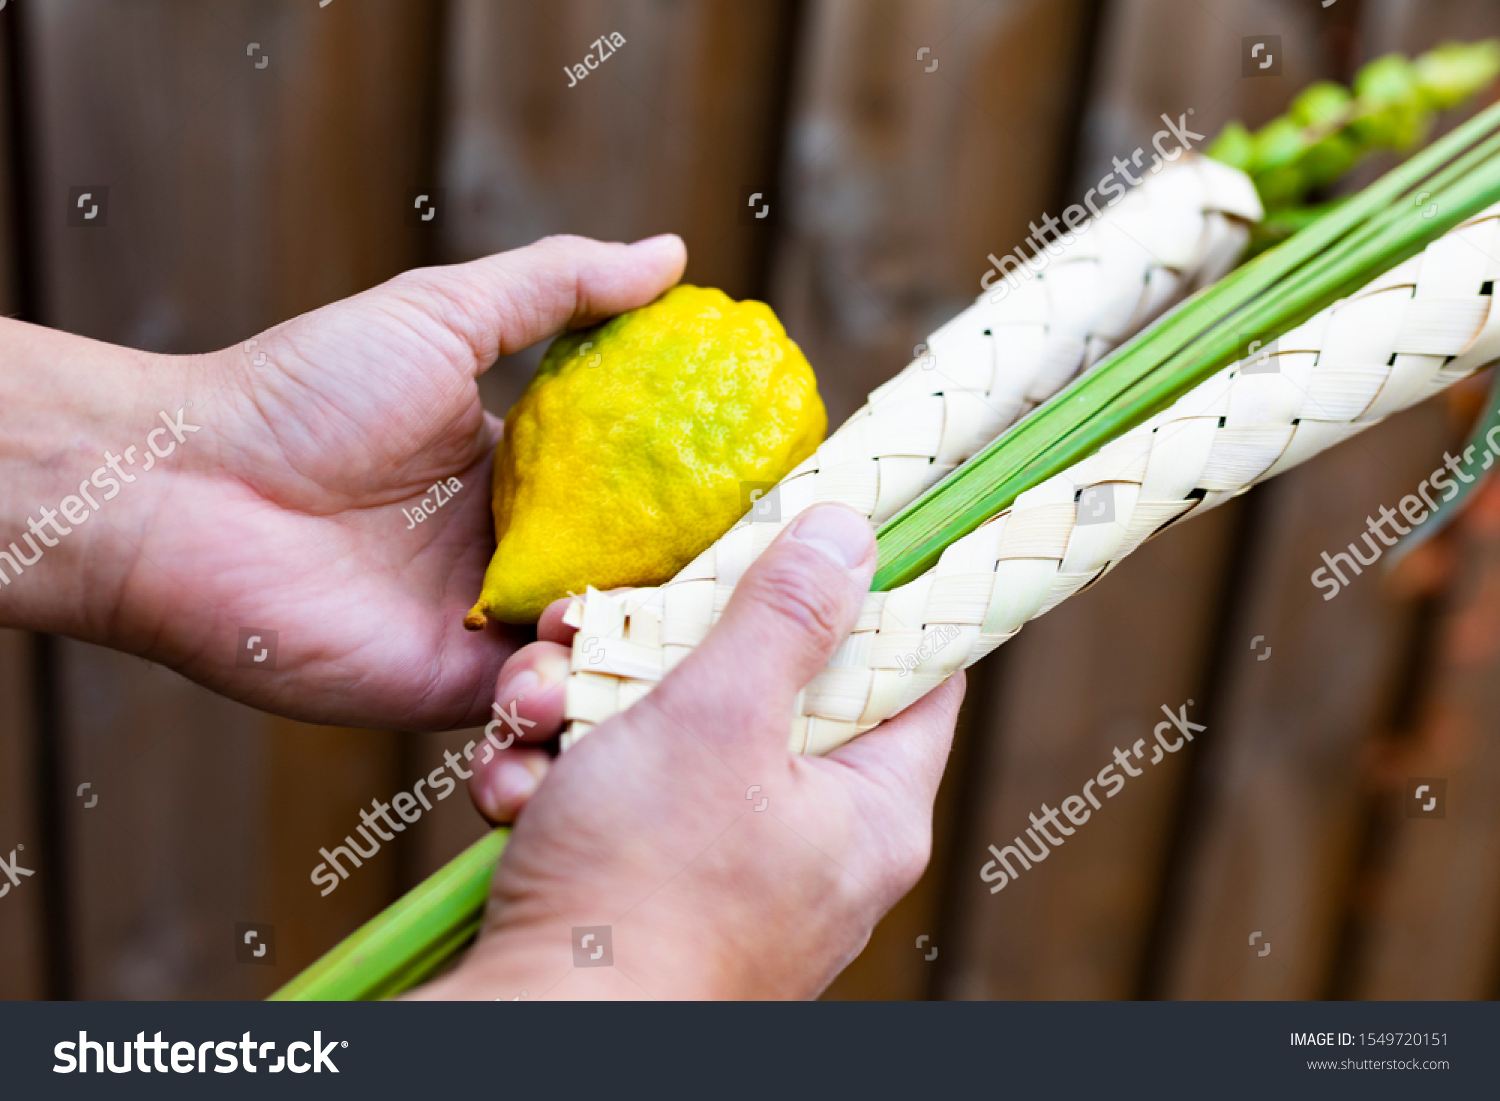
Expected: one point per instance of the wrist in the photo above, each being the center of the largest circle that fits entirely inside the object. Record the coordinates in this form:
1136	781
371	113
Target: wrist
509	964
83	470
527	963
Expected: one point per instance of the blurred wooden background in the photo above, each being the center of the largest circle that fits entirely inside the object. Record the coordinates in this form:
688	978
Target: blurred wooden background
240	195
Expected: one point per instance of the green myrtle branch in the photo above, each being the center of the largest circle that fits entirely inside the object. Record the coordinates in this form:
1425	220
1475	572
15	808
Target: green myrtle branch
1329	128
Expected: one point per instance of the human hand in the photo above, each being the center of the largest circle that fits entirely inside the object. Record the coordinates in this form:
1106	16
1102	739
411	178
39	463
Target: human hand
285	512
654	824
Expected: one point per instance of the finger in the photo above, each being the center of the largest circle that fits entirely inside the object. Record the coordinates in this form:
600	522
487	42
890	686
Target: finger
530	690
509	301
503	787
551	628
788	614
906	754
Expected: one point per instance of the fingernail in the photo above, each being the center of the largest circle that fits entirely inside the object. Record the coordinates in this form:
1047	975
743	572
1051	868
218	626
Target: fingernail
512	783
839	534
658	241
553	669
517	687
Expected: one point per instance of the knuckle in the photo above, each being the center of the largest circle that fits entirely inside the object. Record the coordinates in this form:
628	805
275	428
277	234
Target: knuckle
804	598
563	242
415	283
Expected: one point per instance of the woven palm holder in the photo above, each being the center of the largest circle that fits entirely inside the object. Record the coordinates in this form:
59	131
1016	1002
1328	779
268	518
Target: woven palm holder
1409	334
1020	343
1024	339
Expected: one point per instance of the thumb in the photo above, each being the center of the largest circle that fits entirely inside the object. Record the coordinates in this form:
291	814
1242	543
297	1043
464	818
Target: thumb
789	613
509	301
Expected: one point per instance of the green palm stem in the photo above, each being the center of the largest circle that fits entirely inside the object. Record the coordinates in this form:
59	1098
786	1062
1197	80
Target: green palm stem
411	940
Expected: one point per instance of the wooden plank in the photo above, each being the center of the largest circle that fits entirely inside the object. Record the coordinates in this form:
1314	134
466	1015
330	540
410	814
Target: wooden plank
1095	673
1176	56
895	964
1277	847
453	824
1427	908
670	133
901	176
1088	677
315	782
1412	26
239	196
22	954
162	865
10	291
1280	846
900	180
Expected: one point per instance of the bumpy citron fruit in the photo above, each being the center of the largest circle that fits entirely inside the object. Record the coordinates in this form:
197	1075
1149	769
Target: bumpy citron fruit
638	443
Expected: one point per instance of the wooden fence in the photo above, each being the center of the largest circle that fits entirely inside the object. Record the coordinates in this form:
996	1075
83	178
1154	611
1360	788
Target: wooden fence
898	142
